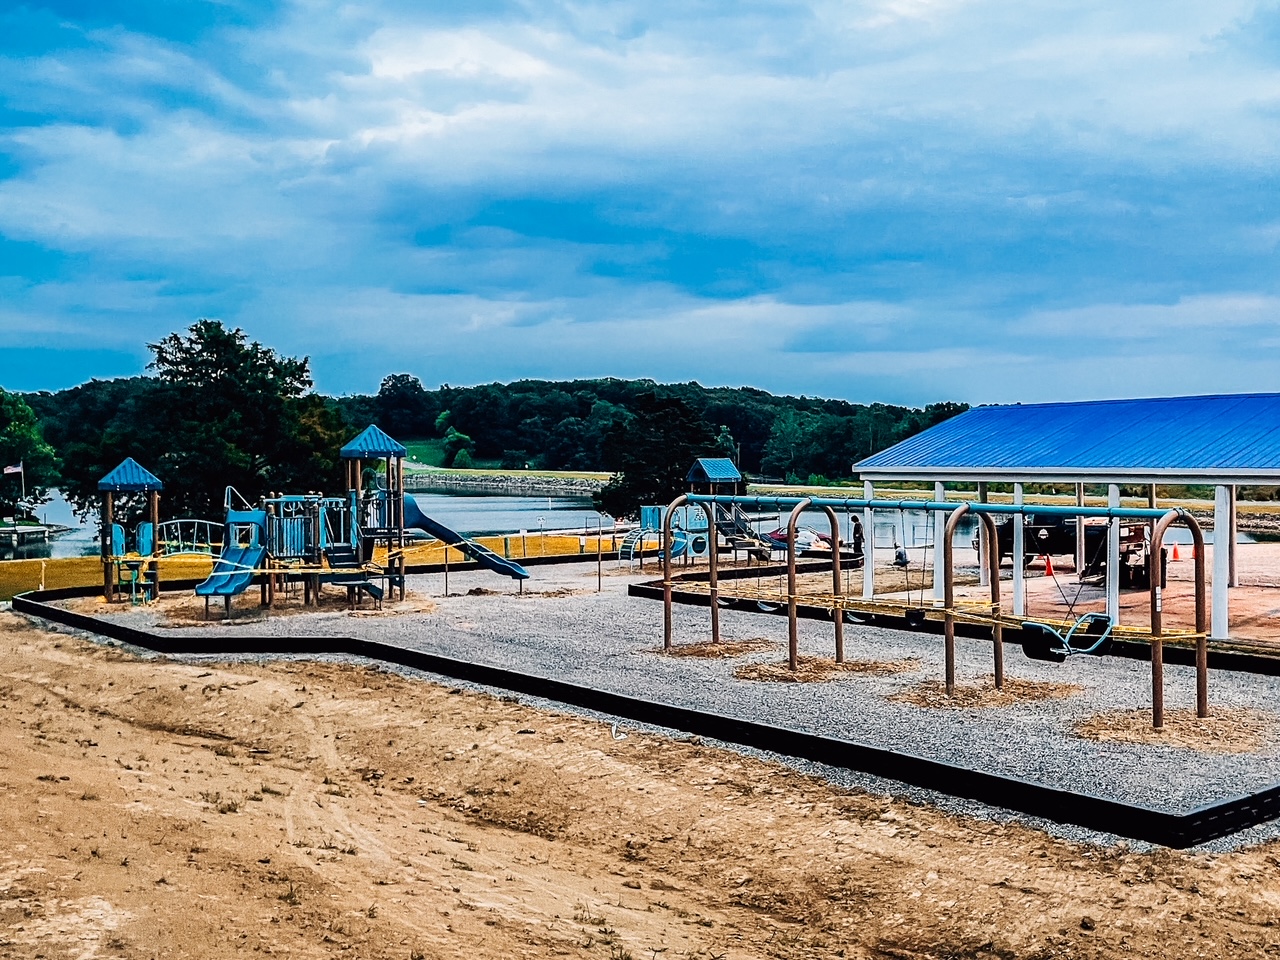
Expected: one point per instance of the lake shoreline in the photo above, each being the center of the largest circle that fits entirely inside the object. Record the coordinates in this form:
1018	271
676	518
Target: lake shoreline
512	484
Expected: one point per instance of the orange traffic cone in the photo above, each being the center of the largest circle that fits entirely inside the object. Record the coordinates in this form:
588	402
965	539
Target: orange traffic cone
1048	566
1175	555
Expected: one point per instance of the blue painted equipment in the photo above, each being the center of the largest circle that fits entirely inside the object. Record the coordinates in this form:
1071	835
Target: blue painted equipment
414	518
243	554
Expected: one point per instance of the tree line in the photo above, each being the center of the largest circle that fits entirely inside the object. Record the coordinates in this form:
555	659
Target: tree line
218	410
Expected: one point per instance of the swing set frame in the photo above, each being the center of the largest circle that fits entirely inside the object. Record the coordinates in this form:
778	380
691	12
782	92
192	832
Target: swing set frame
985	613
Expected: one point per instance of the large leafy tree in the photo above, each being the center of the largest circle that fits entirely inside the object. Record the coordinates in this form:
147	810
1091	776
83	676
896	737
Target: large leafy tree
21	442
403	408
220	411
651	453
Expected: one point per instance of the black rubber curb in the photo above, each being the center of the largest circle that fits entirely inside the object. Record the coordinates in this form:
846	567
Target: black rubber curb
1178	830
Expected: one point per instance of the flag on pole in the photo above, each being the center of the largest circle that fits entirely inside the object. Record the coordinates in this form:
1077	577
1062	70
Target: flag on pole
16	468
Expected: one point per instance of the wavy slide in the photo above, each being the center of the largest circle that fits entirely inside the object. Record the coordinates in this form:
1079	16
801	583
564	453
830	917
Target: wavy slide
232	572
416	519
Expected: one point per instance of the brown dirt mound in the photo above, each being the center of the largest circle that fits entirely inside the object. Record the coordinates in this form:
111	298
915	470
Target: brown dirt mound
706	650
1226	730
819	670
933	693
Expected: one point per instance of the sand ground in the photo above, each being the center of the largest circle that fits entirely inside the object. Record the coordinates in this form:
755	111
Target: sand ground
160	809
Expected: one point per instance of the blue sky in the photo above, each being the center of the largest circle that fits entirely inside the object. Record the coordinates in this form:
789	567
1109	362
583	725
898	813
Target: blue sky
896	200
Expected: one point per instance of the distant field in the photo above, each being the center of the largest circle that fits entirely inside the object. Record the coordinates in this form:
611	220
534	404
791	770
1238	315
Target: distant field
430	453
427	452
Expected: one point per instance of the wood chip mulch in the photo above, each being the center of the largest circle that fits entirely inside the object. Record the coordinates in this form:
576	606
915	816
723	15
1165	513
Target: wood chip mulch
1225	730
820	670
933	693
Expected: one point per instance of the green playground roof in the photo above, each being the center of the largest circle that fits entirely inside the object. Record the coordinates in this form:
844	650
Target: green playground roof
372	443
130	477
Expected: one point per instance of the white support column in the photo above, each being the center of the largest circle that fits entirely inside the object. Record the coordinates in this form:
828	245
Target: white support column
984	548
1019	548
1080	557
1219	625
1235	529
939	534
868	542
1113	557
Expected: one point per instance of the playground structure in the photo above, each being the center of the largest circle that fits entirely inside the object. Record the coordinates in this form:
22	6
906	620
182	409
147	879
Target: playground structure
142	562
355	541
1052	640
688	536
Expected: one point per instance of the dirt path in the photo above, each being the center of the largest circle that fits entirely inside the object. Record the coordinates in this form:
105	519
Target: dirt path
154	809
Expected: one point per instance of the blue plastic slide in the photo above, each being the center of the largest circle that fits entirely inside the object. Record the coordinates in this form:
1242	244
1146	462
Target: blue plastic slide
680	543
232	572
414	518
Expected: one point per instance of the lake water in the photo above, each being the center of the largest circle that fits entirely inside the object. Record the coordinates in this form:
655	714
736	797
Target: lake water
473	514
482	513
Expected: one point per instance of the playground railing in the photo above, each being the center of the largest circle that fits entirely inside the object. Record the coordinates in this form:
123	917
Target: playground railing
191	537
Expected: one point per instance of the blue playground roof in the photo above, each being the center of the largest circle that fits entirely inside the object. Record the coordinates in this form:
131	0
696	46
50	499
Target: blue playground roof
131	477
713	470
373	443
1232	438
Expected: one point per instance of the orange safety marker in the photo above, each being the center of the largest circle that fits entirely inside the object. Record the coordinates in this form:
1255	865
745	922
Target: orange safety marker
1175	555
1048	566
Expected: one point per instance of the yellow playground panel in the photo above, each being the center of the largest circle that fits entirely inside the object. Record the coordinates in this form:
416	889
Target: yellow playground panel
19	576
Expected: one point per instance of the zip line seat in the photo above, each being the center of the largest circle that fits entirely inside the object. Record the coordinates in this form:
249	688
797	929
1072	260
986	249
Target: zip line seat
1090	634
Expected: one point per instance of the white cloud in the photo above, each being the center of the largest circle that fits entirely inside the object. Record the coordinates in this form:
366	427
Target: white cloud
891	195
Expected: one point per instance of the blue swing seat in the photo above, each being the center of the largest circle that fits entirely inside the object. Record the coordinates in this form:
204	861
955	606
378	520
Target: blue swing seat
1091	634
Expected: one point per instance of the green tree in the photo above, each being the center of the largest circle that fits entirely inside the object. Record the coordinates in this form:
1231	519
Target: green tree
725	444
404	408
651	453
456	444
220	411
21	442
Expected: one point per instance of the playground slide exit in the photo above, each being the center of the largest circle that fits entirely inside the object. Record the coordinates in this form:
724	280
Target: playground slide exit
232	572
414	518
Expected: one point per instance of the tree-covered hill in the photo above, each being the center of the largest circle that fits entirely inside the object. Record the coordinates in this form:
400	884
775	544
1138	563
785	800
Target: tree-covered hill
219	409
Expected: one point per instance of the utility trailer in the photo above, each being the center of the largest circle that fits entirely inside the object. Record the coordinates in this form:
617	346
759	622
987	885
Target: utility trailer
1055	536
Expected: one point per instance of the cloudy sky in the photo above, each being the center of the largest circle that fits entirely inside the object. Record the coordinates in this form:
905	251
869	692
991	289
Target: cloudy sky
897	200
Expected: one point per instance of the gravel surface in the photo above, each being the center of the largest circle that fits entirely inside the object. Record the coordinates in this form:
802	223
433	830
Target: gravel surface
561	628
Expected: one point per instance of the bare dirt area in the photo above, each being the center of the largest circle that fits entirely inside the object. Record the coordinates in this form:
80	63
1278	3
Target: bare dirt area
933	693
820	669
160	809
1225	730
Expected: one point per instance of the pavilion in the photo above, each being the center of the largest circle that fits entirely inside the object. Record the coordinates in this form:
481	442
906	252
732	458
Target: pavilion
1224	441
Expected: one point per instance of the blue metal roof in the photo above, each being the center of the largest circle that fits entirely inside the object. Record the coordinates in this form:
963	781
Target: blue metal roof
371	443
713	470
1228	438
131	477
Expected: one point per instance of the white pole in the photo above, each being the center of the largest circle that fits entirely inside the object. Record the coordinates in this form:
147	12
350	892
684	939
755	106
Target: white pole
1235	526
939	534
984	548
1080	557
1019	548
1113	557
1219	625
868	543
